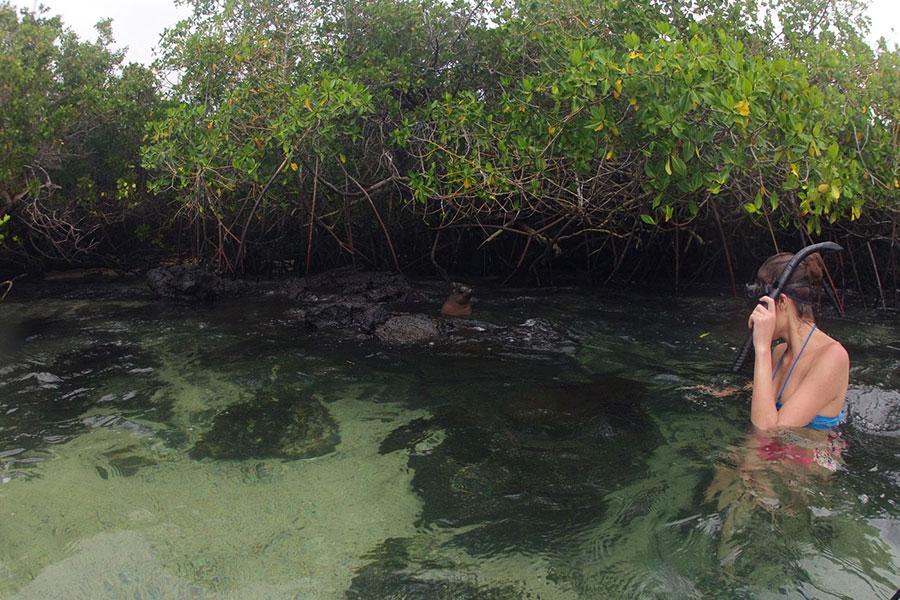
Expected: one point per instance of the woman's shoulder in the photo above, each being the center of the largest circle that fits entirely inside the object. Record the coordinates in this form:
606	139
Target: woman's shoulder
832	356
834	350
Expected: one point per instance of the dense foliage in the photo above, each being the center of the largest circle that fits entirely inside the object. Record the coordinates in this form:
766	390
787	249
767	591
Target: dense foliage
499	136
71	127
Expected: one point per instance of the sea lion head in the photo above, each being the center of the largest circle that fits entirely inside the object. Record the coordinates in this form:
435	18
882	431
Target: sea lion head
458	303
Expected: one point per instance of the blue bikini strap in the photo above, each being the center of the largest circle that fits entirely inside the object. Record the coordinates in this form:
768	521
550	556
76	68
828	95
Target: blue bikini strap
794	364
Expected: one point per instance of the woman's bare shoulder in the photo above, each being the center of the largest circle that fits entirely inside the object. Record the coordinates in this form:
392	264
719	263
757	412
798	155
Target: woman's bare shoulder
834	353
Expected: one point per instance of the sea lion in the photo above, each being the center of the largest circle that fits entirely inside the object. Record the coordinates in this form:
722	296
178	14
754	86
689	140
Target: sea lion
458	303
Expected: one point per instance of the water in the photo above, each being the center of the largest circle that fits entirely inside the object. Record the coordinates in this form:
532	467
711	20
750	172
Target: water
159	450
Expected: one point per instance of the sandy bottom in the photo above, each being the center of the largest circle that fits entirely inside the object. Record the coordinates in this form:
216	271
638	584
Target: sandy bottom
186	529
189	529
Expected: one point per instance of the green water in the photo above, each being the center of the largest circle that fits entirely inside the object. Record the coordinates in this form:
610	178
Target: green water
159	450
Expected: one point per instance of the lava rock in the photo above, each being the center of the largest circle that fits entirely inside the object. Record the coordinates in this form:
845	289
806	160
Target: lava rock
412	328
193	282
349	284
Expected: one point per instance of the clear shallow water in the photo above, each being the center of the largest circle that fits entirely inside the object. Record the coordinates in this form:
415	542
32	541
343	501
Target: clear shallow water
158	450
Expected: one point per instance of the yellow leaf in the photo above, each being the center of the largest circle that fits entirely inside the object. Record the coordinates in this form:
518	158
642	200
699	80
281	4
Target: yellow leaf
794	170
703	335
669	167
896	183
210	125
657	67
307	104
294	166
824	187
343	158
609	155
743	107
599	127
636	54
618	85
552	129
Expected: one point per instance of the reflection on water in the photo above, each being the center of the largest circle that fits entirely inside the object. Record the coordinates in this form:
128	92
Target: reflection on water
155	450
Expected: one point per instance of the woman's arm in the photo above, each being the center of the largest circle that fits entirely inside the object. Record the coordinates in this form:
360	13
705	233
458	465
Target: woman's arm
763	413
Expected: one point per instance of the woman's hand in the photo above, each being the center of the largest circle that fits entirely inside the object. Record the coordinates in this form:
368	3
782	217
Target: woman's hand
762	320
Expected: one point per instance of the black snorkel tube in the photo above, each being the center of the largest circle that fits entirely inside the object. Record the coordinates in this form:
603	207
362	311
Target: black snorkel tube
780	284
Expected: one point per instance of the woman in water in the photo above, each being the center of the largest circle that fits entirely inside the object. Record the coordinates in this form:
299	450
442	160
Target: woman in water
798	397
802	381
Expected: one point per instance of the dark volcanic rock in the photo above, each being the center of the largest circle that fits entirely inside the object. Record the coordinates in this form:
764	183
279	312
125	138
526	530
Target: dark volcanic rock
874	410
537	335
545	453
192	282
291	426
408	329
350	284
344	315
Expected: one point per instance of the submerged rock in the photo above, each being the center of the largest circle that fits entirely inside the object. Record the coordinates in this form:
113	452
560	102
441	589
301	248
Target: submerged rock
532	454
291	426
123	462
406	568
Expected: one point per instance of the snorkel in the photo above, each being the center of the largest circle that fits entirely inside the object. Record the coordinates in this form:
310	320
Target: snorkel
780	284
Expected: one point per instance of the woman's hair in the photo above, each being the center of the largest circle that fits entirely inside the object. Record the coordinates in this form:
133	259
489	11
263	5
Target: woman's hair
805	284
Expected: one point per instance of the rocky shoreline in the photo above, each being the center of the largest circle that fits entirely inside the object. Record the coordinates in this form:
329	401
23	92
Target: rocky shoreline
355	301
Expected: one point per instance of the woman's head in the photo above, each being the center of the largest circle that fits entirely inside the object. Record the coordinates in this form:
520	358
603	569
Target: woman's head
805	284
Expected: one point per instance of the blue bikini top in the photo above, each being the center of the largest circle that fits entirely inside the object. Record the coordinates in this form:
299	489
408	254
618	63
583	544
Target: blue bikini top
818	422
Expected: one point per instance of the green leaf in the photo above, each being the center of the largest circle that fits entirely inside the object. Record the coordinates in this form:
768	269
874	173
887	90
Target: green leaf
648	219
575	55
